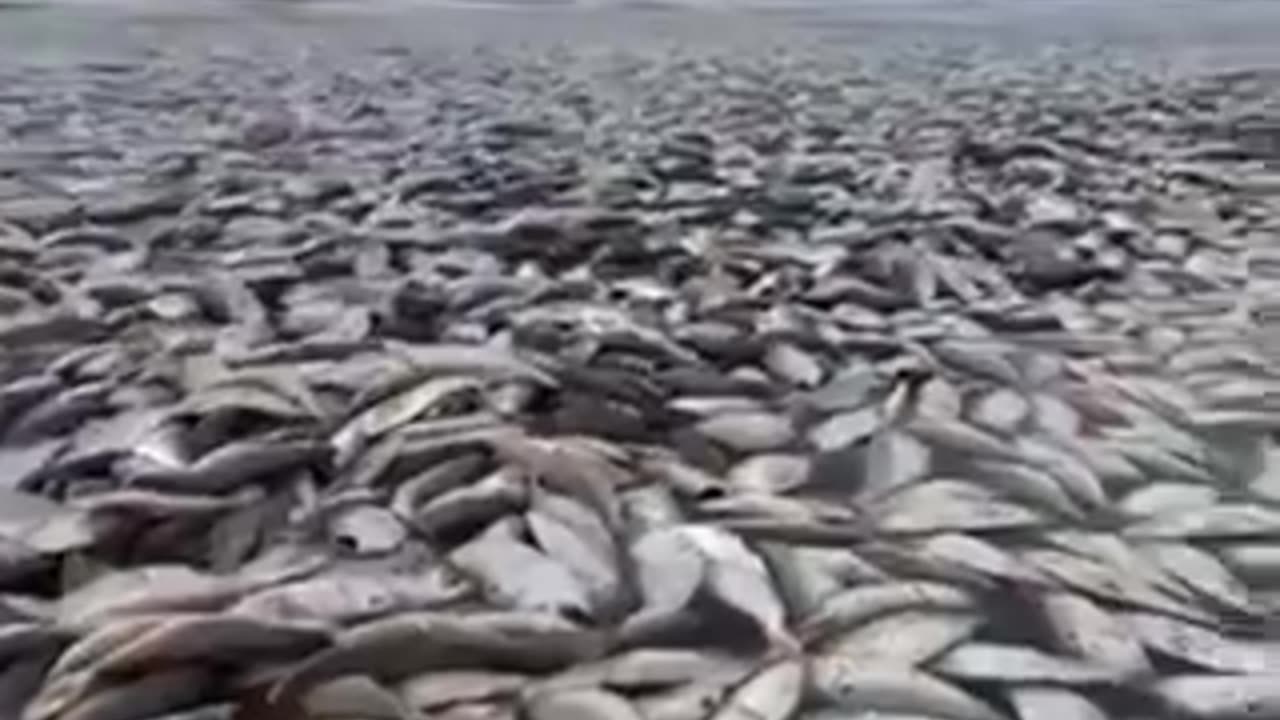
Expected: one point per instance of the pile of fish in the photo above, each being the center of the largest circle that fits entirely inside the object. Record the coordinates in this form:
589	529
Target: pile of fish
601	384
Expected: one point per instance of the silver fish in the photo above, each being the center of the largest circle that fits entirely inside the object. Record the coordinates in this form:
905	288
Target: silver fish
852	686
773	693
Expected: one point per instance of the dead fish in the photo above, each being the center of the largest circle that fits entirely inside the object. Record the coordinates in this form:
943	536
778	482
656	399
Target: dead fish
367	530
961	437
244	397
893	460
1001	410
687	480
101	641
578	704
230	466
695	700
859	604
711	405
61	412
433	691
1029	485
354	696
515	575
808	576
1038	701
771	473
773	693
1163	498
737	577
1072	472
847	389
974	660
161	504
433	481
346	598
965	551
396	411
475	359
1202	573
852	686
649	669
147	696
975	359
846	428
569	532
1255	562
481	502
1082	628
794	365
944	504
44	525
1106	583
579	469
171	587
1203	647
24	463
749	431
1224	520
212	638
906	638
1219	697
395	647
670	568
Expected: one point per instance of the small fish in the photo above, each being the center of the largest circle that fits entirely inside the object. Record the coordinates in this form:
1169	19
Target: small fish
396	647
906	638
1223	520
944	504
232	465
211	638
354	696
855	687
648	669
145	697
1001	411
1082	628
434	691
1202	573
859	604
578	704
976	660
749	431
773	693
1033	702
1166	498
738	577
770	473
1219	697
670	569
963	438
396	411
971	553
432	482
514	574
695	700
1203	647
790	363
894	459
473	505
570	533
846	428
